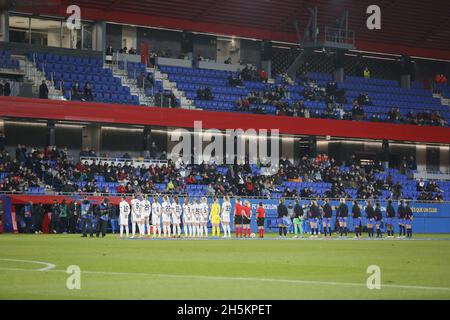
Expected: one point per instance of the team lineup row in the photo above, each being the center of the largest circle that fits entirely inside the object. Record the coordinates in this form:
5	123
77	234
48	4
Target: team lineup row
322	214
168	218
194	215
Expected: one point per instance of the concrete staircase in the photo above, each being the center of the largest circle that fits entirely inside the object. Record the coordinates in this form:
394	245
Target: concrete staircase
35	77
169	85
132	84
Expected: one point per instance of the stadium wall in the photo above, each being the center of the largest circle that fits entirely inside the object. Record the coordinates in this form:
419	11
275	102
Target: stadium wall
428	217
27	108
117	16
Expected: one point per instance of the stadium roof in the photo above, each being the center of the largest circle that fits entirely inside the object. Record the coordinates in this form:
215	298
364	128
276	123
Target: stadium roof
409	24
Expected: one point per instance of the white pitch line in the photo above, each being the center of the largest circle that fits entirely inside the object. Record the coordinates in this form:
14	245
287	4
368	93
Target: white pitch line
48	266
252	279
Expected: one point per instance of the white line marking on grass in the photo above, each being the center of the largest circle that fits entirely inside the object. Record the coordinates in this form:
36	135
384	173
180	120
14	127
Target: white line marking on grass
220	278
48	266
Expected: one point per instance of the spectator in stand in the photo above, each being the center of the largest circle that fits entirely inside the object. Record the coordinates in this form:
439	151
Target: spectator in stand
6	88
357	111
440	79
109	53
76	90
88	91
204	94
363	99
148	81
2	141
263	76
43	90
420	185
228	61
366	73
235	80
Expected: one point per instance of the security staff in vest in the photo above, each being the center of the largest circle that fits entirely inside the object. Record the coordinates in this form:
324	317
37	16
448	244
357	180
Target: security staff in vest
86	217
103	217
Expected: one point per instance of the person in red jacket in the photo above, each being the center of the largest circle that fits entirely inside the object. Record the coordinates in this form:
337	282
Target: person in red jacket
238	218
440	79
263	75
246	217
260	217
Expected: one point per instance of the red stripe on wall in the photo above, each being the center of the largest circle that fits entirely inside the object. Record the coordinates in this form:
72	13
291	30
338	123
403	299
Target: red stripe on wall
154	116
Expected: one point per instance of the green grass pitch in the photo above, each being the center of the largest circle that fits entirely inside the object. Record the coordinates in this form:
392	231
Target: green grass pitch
226	269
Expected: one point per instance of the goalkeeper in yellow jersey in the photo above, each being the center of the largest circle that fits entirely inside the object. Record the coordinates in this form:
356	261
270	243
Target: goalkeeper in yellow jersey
215	218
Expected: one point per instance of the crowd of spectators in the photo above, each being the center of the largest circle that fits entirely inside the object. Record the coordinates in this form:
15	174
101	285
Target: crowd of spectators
52	169
251	73
278	95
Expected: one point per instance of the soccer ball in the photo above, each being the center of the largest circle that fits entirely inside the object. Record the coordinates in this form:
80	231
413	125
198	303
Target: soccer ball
252	235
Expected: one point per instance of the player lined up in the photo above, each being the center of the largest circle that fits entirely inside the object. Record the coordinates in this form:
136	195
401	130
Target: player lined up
166	218
322	214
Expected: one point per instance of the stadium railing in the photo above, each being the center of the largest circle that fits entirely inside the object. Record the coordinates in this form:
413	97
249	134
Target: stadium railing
136	162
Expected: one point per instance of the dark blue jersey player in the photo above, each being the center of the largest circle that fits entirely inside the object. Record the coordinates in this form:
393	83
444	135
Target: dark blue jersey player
408	220
378	219
390	217
326	218
401	214
370	218
342	213
356	216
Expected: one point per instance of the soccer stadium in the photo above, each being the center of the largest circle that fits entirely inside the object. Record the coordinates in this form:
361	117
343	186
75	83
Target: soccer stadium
224	150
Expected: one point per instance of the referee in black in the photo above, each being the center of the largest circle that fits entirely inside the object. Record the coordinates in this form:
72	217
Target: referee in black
282	215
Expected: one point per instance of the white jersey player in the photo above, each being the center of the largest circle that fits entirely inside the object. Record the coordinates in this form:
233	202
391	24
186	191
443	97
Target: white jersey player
136	217
124	212
146	210
195	209
166	209
225	216
187	217
204	215
156	216
176	216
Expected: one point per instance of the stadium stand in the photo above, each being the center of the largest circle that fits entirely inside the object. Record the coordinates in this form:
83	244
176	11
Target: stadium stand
413	104
7	62
51	171
66	71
